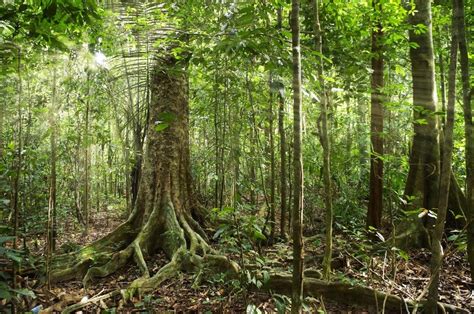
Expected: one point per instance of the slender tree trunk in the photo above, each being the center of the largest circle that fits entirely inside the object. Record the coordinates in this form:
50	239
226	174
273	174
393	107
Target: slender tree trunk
272	164
281	132
18	168
290	186
361	144
283	174
110	177
87	159
104	173
131	175
51	229
137	138
445	178
54	130
459	15
325	143
223	129
442	76
235	154
78	183
2	117
217	142
137	164
375	209
259	147
298	246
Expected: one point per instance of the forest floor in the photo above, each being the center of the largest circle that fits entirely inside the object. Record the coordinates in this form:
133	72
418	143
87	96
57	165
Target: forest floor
405	276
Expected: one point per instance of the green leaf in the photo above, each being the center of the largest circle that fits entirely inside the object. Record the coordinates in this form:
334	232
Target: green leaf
13	256
220	231
421	121
5	294
401	253
25	292
5	239
161	126
166	117
258	235
164	121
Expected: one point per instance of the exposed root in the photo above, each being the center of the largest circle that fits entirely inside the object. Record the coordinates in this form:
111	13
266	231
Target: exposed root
197	227
140	260
143	284
352	294
197	244
183	260
76	265
172	231
220	263
117	261
193	255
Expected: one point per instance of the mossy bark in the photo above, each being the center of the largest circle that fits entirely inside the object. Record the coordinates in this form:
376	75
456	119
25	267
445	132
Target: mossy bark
163	216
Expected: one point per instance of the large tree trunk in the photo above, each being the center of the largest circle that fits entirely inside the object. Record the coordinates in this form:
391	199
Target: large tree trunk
423	176
425	158
468	129
163	216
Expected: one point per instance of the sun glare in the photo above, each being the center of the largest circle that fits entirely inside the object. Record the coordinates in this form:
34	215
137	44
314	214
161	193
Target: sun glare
100	59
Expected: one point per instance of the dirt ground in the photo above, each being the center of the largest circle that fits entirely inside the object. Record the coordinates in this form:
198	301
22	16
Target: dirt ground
404	276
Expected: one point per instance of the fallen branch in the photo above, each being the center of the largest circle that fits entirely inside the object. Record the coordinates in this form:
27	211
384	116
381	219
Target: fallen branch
80	305
344	293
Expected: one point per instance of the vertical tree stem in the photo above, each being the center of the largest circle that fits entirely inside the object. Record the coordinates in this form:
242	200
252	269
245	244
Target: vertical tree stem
298	246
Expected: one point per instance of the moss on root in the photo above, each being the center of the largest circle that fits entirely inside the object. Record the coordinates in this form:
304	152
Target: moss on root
173	233
76	265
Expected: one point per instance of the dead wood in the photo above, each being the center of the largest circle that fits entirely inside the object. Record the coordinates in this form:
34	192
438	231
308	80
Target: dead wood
345	293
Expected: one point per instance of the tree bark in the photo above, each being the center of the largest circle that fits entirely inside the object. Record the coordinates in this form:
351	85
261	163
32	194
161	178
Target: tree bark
164	217
18	172
350	294
51	229
283	175
272	163
423	176
87	159
298	249
281	132
459	15
445	179
325	143
2	117
375	208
